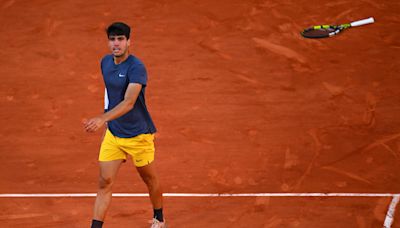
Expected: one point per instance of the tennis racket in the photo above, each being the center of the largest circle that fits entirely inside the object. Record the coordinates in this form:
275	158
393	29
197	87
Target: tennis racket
324	31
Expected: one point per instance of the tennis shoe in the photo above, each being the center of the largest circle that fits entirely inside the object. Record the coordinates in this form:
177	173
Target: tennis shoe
158	224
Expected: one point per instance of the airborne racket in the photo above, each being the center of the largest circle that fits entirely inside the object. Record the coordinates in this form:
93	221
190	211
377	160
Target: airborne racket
324	31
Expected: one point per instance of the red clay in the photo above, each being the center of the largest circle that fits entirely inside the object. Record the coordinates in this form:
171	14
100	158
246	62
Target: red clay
242	103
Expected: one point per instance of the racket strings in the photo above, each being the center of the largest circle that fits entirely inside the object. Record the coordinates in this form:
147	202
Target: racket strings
322	31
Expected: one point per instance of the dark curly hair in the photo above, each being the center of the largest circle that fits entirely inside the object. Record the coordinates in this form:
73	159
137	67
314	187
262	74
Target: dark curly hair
118	29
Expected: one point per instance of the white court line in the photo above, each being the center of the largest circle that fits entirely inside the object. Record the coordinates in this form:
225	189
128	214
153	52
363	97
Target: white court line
390	213
80	195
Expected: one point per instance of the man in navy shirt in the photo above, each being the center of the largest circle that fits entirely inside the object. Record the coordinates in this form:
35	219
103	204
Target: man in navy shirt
130	129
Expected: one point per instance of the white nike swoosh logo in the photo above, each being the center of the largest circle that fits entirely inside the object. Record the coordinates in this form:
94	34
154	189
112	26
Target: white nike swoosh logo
121	75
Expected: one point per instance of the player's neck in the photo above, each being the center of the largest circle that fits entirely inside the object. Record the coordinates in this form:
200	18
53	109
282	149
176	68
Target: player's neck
120	59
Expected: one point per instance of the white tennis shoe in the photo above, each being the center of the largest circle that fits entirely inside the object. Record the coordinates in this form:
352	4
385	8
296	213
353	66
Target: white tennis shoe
158	224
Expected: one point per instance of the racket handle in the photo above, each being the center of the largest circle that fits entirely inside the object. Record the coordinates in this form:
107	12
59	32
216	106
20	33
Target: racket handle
362	22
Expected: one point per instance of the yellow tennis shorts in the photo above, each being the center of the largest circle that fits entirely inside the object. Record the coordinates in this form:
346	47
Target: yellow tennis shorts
140	147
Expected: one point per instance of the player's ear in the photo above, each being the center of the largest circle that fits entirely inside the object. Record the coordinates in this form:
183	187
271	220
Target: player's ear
128	42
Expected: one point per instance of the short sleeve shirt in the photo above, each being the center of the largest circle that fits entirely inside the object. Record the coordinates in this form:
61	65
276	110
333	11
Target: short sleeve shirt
117	78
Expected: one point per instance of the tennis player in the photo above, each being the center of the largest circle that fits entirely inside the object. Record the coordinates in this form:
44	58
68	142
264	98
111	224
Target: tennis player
129	127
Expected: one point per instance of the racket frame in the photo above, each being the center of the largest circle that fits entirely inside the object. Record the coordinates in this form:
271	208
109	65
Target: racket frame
336	28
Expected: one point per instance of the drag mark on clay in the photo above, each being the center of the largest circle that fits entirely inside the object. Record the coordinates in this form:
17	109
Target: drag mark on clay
369	117
380	142
51	26
333	89
280	50
291	159
22	216
317	149
214	47
344	13
394	153
273	222
336	3
337	91
245	77
8	4
348	174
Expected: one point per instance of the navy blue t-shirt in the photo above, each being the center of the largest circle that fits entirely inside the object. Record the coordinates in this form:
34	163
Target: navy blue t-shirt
116	78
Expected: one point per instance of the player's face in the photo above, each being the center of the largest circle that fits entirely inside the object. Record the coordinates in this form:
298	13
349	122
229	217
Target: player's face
118	45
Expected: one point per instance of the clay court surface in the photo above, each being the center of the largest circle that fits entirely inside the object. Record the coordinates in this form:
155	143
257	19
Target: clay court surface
242	103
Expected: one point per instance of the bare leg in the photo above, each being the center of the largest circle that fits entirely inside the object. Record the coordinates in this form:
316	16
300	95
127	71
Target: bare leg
150	178
108	171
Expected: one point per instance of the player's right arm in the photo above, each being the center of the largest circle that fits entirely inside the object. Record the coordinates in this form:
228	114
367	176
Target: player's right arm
131	95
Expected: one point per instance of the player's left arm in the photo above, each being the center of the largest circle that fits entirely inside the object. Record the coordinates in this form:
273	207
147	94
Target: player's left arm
131	95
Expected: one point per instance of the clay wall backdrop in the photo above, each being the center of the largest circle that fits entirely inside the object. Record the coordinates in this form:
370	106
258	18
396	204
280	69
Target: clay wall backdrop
242	103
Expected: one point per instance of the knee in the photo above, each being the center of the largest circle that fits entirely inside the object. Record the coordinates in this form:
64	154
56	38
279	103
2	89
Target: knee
105	183
150	180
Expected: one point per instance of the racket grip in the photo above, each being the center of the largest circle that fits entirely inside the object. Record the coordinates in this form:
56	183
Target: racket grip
362	22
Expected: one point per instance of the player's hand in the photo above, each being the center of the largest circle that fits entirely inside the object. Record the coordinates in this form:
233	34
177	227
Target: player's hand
94	124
